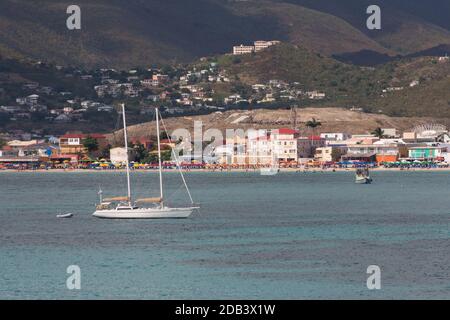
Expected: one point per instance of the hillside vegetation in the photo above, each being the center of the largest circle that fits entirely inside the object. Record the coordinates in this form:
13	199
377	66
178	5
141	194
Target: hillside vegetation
124	34
348	85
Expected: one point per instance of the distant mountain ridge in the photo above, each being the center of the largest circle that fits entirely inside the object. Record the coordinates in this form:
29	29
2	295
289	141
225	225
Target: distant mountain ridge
123	34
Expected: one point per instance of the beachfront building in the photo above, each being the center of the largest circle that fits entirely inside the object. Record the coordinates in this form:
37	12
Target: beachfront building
72	149
360	157
328	154
11	158
307	146
38	148
118	156
285	144
373	152
73	143
260	150
26	153
427	153
237	149
259	147
224	154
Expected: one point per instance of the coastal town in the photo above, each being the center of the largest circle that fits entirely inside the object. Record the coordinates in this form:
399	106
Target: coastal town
67	95
425	146
193	89
224	158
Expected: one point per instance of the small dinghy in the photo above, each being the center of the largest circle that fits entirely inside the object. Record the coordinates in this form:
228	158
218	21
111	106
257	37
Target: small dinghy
363	176
65	215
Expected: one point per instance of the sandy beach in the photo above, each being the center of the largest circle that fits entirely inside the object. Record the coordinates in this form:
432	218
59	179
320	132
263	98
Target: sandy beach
297	170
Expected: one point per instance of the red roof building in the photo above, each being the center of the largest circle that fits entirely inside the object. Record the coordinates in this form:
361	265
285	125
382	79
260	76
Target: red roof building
286	131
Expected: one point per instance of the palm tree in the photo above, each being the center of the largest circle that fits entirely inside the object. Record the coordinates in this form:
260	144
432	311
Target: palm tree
378	132
313	124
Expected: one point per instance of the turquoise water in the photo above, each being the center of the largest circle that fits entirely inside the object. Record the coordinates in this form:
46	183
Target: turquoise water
289	236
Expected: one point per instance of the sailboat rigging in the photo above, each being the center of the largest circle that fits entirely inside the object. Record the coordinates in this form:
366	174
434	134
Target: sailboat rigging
125	208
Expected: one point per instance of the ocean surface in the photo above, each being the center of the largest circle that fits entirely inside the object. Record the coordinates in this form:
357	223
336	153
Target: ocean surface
288	236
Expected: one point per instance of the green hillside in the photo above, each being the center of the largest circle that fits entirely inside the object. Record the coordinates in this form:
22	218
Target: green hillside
123	34
347	85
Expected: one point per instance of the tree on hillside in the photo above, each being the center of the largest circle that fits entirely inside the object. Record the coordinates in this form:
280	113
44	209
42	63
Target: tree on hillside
313	124
153	157
105	152
243	90
2	143
90	144
141	153
378	132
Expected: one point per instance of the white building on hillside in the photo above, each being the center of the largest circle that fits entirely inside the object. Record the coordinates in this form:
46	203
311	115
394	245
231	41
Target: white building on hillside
238	50
261	45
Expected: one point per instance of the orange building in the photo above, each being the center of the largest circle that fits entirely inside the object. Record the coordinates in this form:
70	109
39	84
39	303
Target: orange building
386	158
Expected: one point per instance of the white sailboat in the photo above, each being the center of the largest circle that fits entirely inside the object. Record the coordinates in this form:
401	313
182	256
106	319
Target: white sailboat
125	208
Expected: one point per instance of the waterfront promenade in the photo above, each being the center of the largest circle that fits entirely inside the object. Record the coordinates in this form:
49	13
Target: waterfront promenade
298	170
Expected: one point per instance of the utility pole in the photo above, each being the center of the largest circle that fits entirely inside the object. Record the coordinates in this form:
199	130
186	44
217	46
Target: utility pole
294	117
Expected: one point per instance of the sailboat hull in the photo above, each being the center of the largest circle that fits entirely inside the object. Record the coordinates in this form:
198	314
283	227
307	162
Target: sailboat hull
146	213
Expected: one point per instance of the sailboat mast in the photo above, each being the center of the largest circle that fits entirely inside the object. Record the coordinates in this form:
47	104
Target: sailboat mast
126	150
159	157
